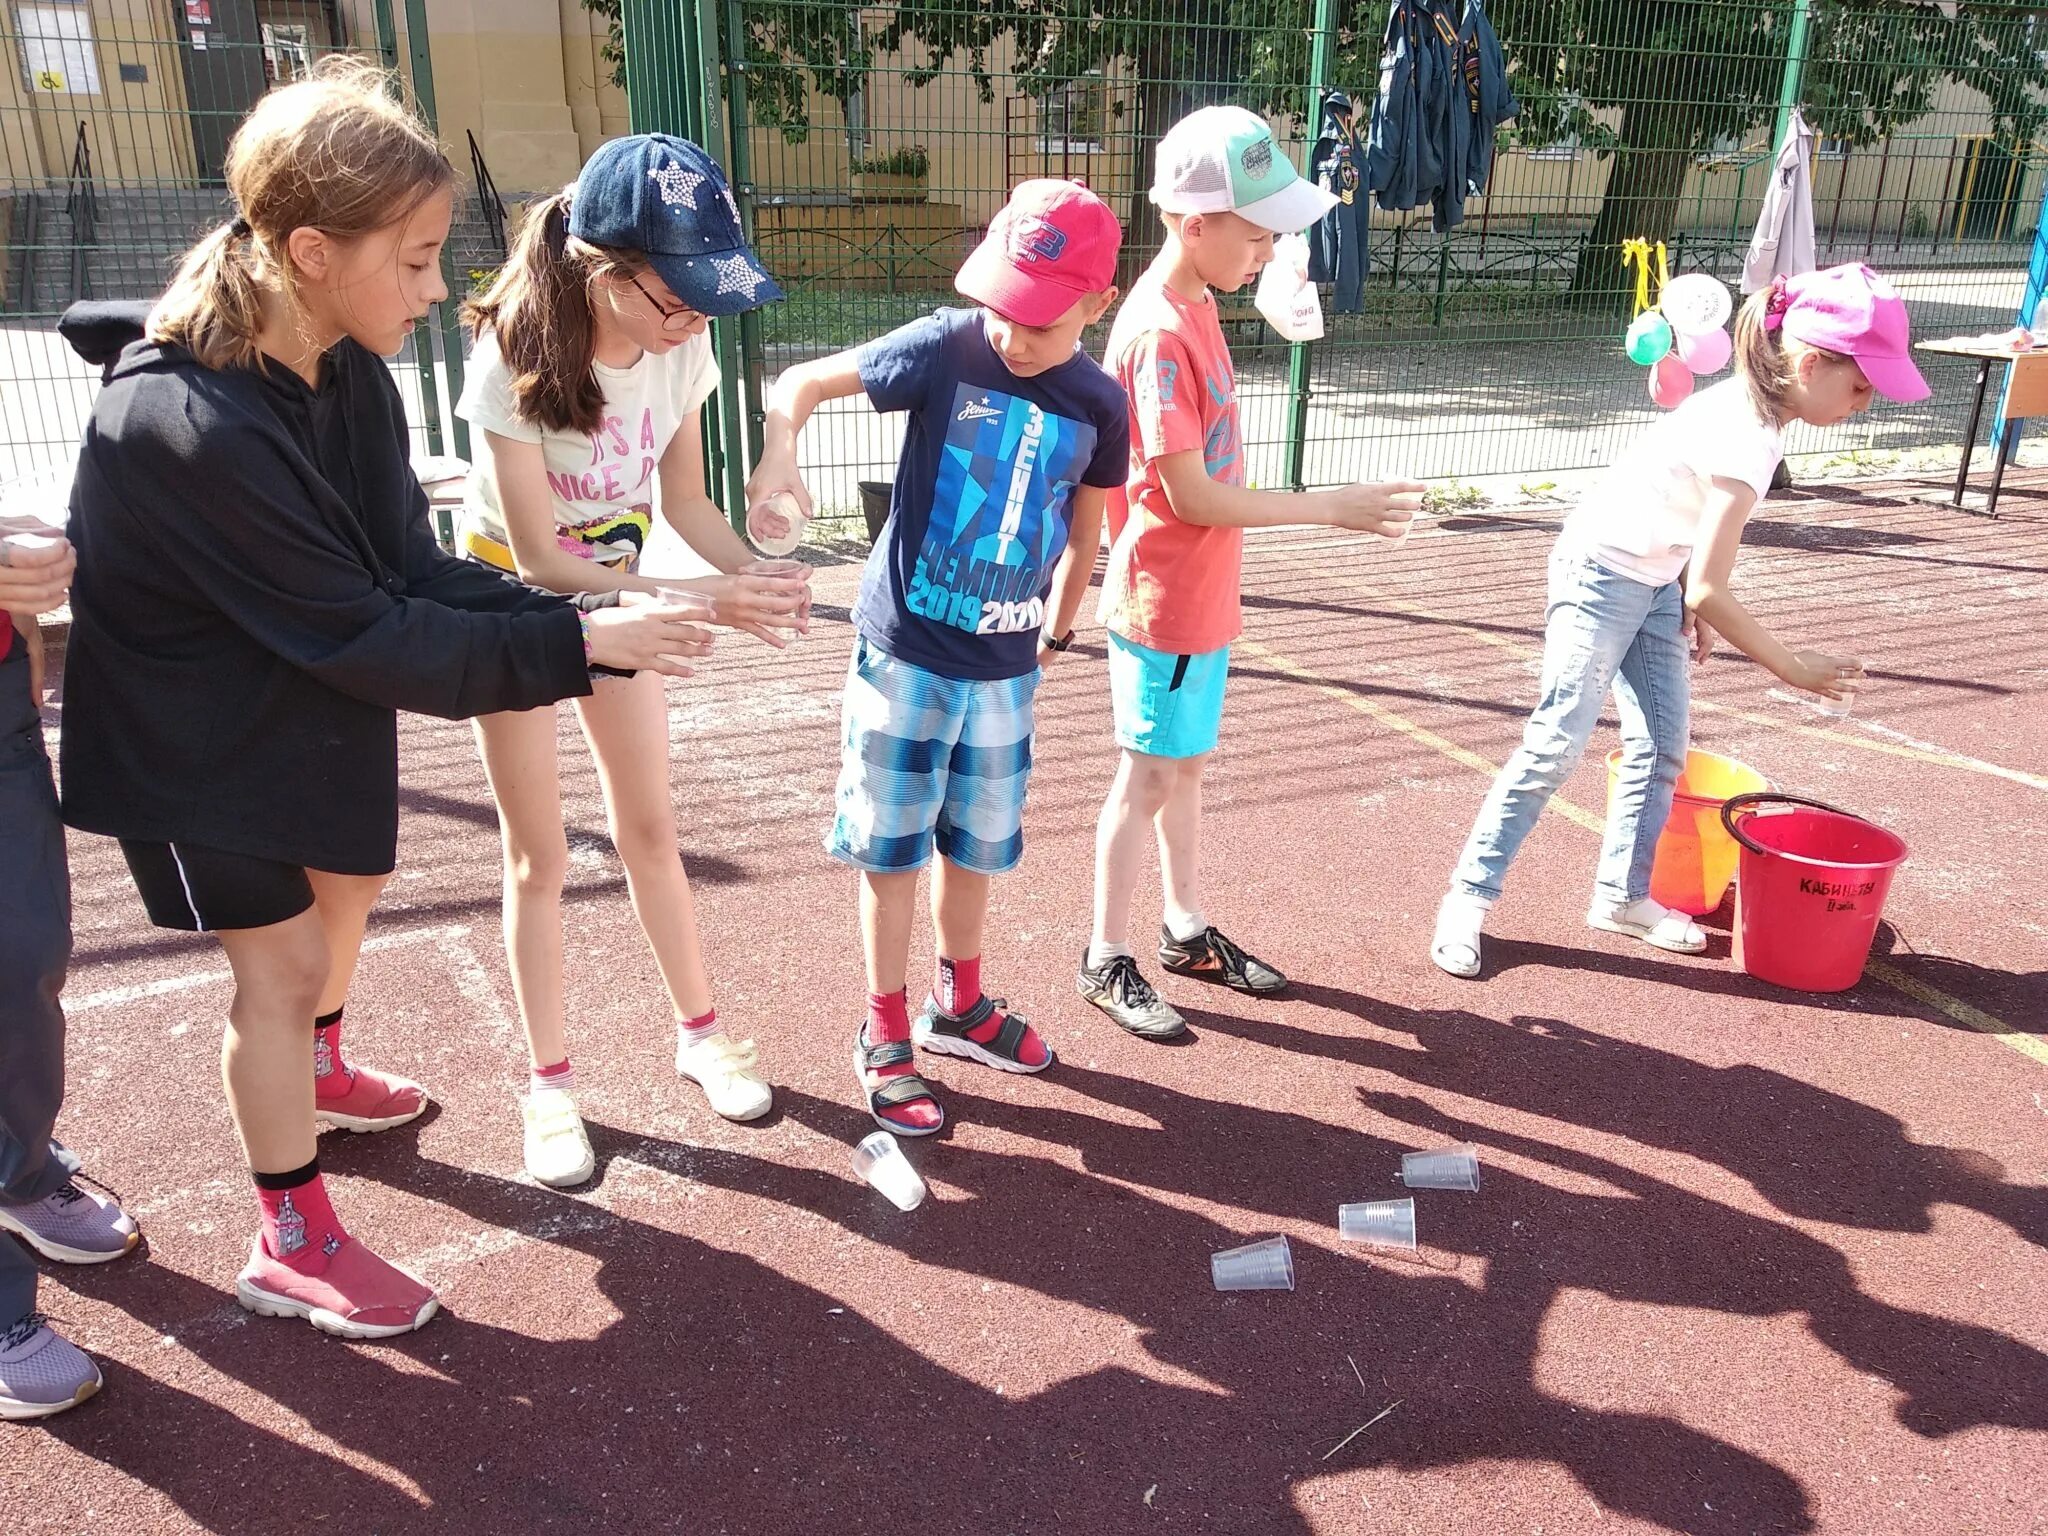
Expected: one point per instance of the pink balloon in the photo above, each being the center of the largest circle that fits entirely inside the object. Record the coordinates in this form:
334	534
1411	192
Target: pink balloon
1705	352
1670	381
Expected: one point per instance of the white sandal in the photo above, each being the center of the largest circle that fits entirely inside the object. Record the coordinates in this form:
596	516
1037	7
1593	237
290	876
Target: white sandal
1653	923
1455	946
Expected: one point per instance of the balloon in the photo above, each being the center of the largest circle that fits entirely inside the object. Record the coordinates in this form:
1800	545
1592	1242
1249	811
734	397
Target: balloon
1670	381
1705	351
1695	302
1649	338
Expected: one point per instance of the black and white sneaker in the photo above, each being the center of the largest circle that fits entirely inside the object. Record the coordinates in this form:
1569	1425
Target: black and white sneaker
1120	990
1209	956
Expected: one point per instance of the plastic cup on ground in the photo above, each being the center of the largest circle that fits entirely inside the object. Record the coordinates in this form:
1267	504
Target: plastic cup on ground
880	1161
784	505
1834	709
1455	1167
1267	1265
1383	1223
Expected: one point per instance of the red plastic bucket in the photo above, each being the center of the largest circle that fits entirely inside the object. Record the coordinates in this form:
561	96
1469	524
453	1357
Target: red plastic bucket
1810	890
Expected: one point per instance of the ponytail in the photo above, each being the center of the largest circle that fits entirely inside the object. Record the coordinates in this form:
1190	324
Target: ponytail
214	306
1765	359
538	308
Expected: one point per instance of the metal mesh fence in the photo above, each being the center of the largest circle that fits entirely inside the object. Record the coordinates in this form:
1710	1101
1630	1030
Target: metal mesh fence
114	123
872	144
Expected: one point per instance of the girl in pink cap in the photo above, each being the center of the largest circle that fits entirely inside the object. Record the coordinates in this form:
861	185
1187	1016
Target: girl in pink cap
1640	585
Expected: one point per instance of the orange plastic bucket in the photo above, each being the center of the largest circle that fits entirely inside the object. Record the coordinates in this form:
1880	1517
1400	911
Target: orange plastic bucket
1696	858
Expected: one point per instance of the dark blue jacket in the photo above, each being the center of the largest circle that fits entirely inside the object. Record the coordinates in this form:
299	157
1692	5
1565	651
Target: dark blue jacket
1443	91
1338	167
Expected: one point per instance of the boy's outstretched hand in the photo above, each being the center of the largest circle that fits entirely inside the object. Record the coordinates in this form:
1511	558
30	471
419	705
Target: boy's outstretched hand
776	473
1385	508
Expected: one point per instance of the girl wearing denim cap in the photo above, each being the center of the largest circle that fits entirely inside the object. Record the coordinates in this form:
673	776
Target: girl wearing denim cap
591	363
1640	577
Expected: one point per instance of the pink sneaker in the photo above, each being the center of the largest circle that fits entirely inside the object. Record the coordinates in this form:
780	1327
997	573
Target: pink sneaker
375	1101
356	1296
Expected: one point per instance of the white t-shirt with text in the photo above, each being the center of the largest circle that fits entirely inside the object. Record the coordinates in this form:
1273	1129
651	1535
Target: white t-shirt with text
603	481
1642	519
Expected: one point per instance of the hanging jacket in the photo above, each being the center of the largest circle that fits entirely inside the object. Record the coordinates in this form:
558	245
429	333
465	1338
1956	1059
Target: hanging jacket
1783	243
258	592
1337	165
1489	97
1402	164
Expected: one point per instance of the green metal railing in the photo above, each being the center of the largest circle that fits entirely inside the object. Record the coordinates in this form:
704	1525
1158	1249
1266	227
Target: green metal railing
1489	350
110	165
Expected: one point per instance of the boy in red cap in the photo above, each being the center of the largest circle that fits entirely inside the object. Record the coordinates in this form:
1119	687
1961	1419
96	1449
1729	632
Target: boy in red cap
1014	437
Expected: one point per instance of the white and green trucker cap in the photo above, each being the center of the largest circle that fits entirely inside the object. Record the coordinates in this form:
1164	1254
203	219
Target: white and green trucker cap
1224	160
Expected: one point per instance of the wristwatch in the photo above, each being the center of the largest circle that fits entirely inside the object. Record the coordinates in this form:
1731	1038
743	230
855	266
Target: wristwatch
1057	642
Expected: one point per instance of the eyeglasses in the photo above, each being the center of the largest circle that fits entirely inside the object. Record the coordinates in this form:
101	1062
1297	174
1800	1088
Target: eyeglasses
680	312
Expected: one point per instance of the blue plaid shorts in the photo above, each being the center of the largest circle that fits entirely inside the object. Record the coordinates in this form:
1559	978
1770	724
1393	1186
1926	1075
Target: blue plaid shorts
927	758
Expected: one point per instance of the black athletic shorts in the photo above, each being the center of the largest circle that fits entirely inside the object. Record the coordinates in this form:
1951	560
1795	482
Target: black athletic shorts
203	889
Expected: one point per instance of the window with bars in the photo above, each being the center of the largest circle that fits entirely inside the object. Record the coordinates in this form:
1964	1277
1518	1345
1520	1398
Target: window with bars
1072	116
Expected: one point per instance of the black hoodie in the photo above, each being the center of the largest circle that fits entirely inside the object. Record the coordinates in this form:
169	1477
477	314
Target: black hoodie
258	593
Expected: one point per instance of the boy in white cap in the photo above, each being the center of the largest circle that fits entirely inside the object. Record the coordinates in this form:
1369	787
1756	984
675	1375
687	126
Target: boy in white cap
1224	189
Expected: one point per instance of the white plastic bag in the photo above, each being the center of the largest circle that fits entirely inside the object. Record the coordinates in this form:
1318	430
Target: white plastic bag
1285	296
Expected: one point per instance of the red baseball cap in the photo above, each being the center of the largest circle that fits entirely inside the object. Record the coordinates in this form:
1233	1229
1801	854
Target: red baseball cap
1053	243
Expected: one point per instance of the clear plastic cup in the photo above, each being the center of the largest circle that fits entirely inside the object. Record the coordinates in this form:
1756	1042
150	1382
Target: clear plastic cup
1267	1265
1455	1167
1383	1223
25	542
880	1161
786	505
1835	708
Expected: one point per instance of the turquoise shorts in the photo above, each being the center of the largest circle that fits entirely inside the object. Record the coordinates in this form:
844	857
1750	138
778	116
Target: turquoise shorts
1166	705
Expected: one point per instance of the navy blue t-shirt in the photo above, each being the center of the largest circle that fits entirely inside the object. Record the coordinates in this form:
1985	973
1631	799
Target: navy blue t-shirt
984	492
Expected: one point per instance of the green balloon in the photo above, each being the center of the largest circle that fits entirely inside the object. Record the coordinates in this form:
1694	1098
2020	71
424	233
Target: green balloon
1649	338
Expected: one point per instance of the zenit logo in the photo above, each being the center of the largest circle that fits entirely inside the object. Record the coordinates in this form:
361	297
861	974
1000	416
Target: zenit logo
1035	239
978	410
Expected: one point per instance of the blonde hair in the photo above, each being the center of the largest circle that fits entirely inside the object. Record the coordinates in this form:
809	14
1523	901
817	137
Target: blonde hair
337	152
1766	359
538	307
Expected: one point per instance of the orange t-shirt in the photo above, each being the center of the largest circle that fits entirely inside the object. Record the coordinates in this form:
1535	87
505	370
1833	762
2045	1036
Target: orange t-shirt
1173	586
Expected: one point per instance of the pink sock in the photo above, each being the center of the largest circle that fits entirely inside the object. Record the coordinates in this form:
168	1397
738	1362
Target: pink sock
959	985
331	1077
299	1225
697	1031
889	1019
560	1075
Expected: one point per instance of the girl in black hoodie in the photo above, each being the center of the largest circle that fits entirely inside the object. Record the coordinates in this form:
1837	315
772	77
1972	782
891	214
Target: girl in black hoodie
258	593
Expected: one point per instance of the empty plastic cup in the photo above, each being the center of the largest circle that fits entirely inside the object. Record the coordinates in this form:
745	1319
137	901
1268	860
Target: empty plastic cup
1384	1223
1266	1265
1443	1168
880	1161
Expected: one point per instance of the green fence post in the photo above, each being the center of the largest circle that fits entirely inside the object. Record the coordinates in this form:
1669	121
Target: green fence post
752	384
387	36
668	75
447	319
1795	71
1320	42
725	334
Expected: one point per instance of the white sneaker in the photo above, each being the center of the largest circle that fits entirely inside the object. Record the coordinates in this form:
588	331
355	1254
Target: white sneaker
1652	922
1454	946
725	1071
557	1147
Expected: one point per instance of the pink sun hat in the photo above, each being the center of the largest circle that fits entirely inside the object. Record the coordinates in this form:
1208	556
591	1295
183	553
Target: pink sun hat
1851	310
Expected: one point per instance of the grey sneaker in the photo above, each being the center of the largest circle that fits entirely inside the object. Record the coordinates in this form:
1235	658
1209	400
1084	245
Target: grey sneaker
1120	990
41	1372
73	1226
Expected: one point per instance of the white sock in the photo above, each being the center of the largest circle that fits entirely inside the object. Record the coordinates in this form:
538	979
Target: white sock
1100	954
697	1031
1187	926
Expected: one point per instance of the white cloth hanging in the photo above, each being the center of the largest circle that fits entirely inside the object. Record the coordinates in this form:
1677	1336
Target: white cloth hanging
1783	245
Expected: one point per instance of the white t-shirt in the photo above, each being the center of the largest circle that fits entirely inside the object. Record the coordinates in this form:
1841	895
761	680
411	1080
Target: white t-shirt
603	481
1643	518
